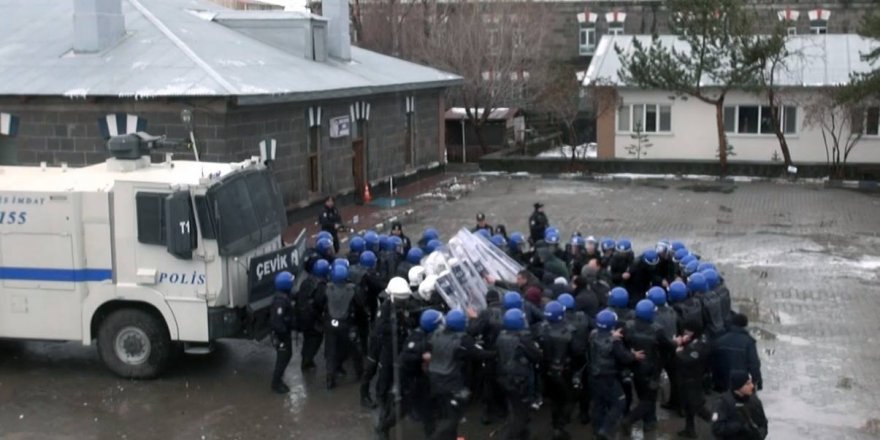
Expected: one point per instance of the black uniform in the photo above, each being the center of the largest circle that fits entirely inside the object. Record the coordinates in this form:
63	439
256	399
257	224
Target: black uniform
690	311
713	314
618	264
724	294
691	363
329	220
517	355
667	319
342	306
561	350
538	223
643	276
651	339
281	322
735	350
580	361
394	323
396	326
308	318
606	354
739	418
485	328
487	227
387	265
450	352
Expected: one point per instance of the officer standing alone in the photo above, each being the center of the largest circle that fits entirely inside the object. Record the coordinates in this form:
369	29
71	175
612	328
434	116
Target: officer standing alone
281	322
538	223
330	221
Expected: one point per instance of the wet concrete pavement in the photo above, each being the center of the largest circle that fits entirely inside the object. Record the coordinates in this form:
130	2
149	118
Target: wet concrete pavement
802	261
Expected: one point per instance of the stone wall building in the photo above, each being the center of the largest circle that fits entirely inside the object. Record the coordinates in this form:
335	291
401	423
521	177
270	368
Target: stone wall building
246	76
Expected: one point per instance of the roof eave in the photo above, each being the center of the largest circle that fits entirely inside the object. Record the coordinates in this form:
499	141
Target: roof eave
246	100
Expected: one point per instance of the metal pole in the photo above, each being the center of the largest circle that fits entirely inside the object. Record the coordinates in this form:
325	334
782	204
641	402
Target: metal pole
463	143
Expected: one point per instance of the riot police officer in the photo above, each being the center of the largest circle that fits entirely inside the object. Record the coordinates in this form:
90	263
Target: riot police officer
281	321
646	336
341	306
413	258
538	223
739	414
308	312
451	350
356	246
620	262
580	344
618	302
517	354
691	309
485	329
667	319
557	340
607	353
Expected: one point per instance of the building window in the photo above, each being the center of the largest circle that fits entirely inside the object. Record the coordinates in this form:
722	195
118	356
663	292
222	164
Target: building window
652	118
314	158
819	29
754	119
872	121
587	39
791	30
615	30
410	141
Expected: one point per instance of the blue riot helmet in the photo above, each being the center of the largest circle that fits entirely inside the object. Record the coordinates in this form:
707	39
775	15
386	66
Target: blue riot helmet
357	244
339	274
324	247
554	311
430	320
650	257
680	255
516	240
341	262
608	244
372	240
321	268
678	292
284	282
712	278
499	241
514	319
618	297
645	310
624	245
433	245
414	255
368	259
430	234
456	320
512	300
657	295
697	283
578	241
385	243
691	268
705	265
322	235
606	319
676	245
567	301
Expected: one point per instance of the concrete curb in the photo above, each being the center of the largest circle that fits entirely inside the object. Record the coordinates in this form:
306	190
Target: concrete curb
850	184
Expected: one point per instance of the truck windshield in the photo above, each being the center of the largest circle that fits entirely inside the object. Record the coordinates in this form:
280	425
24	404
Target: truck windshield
248	210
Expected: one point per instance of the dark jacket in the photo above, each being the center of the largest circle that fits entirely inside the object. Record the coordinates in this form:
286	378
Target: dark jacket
538	222
739	418
329	218
735	350
282	316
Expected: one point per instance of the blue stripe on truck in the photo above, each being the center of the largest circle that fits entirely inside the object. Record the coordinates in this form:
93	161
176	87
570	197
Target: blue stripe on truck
63	275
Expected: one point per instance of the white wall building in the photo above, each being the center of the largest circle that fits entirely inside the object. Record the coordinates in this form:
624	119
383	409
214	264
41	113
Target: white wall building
683	127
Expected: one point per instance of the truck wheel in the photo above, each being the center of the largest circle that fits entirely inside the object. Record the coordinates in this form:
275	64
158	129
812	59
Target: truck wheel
134	344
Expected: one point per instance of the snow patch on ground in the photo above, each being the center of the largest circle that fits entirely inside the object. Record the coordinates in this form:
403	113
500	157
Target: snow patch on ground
76	93
583	151
794	340
807	255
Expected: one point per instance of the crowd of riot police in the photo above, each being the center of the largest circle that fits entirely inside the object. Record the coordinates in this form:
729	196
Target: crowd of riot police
588	326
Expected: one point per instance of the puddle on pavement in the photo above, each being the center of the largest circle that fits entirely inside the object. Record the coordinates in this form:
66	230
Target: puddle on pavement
709	187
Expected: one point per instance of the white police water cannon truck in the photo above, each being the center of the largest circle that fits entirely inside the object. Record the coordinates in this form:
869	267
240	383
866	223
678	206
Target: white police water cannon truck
146	258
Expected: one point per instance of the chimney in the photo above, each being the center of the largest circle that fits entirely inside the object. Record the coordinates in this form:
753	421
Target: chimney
338	39
97	24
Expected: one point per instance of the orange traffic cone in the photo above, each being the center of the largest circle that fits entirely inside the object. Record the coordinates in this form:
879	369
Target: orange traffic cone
367	196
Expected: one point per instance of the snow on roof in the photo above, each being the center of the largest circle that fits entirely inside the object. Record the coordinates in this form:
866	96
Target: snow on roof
498	114
819	60
99	178
174	48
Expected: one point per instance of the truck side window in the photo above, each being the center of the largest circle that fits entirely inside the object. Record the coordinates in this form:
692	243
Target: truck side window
150	217
206	222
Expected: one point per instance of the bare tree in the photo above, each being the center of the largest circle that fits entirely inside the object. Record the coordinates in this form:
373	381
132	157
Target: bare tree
841	124
560	97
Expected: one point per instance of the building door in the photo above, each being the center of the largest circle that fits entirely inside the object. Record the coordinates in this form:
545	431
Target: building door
357	169
8	151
